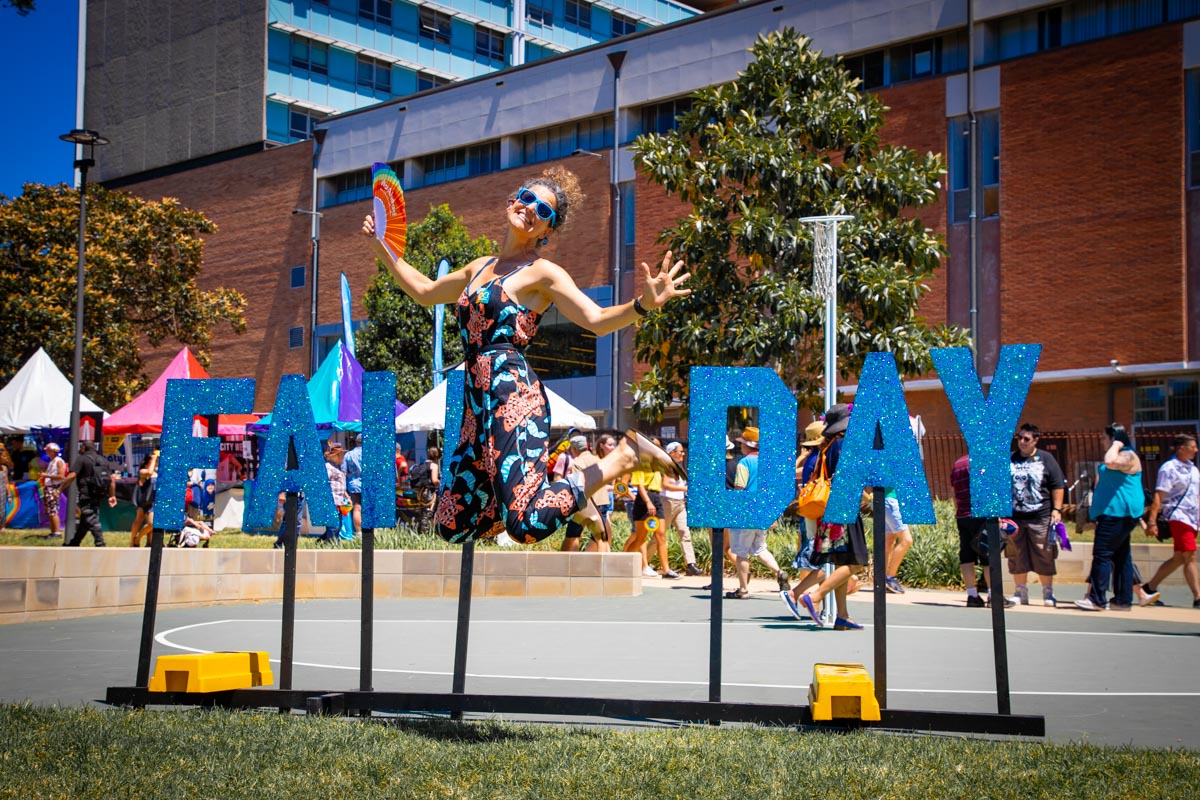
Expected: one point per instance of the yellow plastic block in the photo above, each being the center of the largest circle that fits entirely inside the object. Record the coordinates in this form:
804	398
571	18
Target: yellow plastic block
842	691
211	672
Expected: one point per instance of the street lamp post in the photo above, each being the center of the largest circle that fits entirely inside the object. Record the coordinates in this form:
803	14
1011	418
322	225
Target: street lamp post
315	216
87	141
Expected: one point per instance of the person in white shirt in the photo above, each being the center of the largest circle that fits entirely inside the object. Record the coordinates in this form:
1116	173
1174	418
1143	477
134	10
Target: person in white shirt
1177	497
674	497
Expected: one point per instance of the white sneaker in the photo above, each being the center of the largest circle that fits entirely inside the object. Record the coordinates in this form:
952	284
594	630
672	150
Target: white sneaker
1021	595
1087	605
504	540
649	572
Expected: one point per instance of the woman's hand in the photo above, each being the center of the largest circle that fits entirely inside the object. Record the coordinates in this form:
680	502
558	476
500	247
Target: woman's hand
658	289
368	226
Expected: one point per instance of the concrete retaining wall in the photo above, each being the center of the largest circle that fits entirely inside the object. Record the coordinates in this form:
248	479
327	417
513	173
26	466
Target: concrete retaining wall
1074	566
38	583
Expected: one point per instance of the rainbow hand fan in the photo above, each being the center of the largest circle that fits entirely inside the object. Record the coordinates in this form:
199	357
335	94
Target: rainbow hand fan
391	222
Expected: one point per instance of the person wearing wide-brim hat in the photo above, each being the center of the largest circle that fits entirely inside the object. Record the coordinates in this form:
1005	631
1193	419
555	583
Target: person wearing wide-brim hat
842	546
52	479
802	564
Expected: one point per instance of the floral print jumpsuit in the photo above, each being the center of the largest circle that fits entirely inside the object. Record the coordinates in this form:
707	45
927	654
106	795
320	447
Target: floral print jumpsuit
498	473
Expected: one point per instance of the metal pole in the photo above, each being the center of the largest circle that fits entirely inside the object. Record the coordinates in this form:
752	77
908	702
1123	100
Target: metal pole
316	261
153	574
291	524
973	188
999	635
879	589
616	59
77	382
466	577
715	618
366	639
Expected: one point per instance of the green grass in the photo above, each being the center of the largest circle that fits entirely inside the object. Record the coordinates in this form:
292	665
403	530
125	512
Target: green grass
86	753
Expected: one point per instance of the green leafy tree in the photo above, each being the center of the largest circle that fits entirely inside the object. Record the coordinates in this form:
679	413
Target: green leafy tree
793	136
143	258
399	336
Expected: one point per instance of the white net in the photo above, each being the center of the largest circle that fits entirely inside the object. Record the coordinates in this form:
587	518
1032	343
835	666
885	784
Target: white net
824	242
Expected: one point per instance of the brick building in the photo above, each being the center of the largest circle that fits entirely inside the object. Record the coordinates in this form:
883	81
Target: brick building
1087	117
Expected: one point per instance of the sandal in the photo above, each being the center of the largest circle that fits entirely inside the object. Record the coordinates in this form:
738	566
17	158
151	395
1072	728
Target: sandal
737	594
644	447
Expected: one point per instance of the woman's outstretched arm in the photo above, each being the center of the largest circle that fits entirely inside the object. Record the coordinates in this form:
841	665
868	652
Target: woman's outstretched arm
582	310
425	290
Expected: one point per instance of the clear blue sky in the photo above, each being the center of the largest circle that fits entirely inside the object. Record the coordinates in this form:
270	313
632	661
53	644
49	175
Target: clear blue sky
37	92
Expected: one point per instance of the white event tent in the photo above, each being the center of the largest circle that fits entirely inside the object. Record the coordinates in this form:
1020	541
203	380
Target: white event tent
429	413
38	396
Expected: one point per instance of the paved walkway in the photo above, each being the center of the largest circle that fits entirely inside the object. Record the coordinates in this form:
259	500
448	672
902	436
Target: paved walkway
1113	678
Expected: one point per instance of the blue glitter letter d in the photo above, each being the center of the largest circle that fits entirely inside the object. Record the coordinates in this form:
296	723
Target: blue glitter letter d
714	391
292	421
988	424
880	403
181	451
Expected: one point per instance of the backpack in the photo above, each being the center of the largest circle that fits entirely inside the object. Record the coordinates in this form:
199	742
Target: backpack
421	476
97	485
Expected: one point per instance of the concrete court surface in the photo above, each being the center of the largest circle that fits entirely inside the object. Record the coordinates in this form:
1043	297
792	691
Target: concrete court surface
1112	678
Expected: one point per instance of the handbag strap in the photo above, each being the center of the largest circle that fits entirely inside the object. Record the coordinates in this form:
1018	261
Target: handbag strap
821	464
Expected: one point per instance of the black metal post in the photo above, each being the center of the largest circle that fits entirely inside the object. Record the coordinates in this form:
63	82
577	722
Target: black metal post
715	618
879	529
999	635
153	574
366	638
466	578
291	525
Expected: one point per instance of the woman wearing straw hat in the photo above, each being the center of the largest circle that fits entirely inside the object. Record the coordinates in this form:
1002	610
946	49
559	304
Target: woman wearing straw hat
52	481
842	546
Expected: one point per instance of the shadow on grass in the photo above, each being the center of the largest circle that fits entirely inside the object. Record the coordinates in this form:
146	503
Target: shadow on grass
446	730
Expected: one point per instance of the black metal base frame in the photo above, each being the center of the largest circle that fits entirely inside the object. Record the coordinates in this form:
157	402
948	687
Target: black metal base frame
366	700
353	702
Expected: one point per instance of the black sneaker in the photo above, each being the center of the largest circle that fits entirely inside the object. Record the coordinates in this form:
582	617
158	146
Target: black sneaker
1196	604
975	601
692	569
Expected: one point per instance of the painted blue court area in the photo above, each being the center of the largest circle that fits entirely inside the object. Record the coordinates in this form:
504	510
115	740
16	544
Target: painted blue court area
1105	678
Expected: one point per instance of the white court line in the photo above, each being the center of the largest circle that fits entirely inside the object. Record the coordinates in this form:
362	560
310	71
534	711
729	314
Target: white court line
163	640
728	624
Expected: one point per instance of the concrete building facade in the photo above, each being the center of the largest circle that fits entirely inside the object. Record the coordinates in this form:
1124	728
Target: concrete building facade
183	83
1086	115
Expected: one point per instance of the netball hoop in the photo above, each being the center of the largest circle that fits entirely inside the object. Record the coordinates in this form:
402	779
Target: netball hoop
825	230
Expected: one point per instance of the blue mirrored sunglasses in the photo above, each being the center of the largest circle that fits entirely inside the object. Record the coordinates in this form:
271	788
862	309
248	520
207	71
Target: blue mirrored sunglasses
543	209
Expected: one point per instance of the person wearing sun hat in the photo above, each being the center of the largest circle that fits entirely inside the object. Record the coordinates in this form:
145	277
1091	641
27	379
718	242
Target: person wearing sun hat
674	497
52	479
842	546
813	439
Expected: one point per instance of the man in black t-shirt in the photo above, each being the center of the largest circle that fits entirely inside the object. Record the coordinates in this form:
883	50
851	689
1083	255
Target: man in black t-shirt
1037	493
87	469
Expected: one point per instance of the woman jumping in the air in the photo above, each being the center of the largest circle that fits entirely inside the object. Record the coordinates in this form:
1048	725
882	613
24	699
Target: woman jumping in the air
497	477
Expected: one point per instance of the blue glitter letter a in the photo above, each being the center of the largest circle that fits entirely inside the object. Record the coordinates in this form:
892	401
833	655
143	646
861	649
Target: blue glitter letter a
292	420
988	424
880	403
